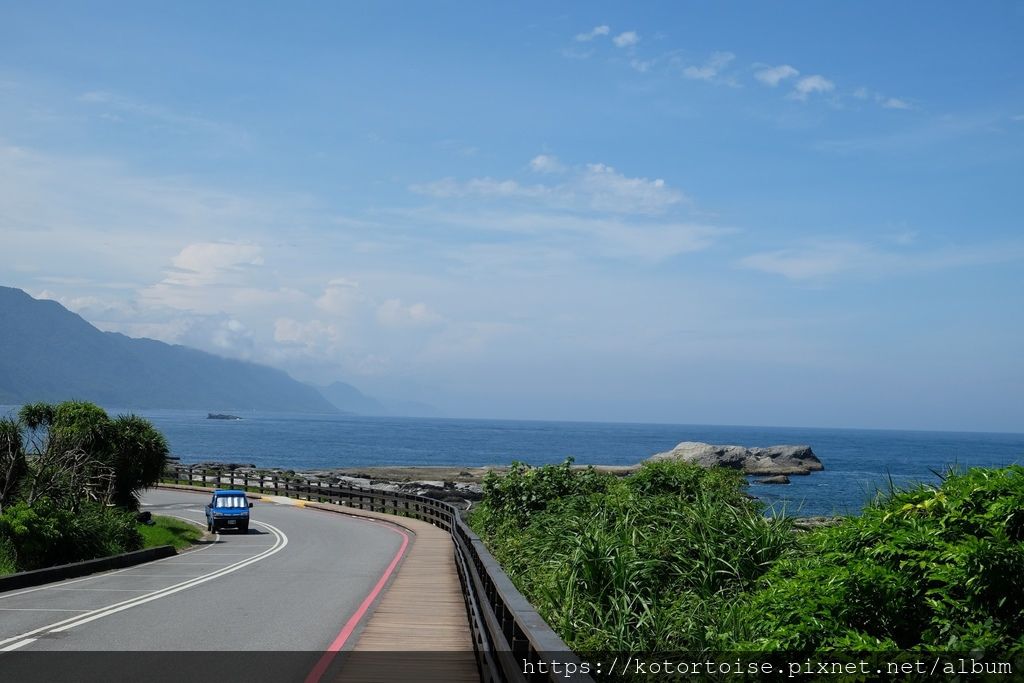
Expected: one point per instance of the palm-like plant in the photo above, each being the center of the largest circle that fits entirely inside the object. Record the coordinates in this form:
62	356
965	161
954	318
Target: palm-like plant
76	452
139	455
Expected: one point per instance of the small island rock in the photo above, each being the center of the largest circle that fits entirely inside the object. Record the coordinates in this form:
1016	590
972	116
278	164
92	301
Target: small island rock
768	461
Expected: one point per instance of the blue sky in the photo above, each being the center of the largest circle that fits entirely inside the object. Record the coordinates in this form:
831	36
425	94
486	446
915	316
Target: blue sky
774	213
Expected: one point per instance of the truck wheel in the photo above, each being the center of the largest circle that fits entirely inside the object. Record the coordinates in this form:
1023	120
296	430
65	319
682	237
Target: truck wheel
244	527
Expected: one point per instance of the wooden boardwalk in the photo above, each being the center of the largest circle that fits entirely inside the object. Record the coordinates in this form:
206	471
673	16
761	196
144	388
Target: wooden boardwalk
419	630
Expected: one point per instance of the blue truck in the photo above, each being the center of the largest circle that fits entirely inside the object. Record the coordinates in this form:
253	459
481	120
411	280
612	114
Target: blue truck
229	509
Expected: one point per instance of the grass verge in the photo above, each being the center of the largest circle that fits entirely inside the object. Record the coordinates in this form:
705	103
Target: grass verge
170	531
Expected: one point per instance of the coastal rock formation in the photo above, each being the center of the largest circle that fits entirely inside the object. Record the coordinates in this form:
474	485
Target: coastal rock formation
769	461
777	479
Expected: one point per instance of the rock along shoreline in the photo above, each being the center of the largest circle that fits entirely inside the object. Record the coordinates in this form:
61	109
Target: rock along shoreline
462	486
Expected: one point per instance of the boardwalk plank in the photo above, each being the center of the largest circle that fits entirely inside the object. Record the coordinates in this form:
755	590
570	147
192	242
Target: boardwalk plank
419	630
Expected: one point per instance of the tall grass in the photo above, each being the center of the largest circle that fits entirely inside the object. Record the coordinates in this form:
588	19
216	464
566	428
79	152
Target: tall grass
653	561
678	558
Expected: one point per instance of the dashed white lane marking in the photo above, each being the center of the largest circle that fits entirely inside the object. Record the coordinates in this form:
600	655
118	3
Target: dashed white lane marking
161	576
72	622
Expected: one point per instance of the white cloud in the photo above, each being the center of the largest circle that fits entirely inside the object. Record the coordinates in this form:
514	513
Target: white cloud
221	334
772	76
809	263
822	260
551	240
811	84
313	335
392	313
593	187
626	39
447	188
209	263
595	32
710	70
342	297
211	277
895	103
862	93
121	108
642	65
81	201
546	163
609	190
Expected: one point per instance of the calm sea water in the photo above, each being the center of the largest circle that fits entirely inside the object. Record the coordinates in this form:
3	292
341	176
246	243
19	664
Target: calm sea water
857	462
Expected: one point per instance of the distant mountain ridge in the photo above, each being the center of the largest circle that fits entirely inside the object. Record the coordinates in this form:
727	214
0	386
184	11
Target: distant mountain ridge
348	399
48	353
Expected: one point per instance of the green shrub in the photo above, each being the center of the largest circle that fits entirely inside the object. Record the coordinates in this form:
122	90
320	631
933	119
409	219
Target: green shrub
48	534
930	567
8	565
515	496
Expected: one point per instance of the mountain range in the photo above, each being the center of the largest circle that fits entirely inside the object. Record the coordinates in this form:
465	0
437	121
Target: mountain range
48	353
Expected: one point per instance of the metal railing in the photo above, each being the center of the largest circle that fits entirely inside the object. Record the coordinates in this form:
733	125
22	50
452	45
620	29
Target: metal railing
509	636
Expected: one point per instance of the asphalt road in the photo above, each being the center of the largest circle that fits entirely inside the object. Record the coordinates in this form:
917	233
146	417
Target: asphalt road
300	581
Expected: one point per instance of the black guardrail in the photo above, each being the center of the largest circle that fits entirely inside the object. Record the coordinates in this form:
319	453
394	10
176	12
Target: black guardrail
509	636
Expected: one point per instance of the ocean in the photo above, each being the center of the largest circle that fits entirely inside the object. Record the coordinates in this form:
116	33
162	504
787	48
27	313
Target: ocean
858	462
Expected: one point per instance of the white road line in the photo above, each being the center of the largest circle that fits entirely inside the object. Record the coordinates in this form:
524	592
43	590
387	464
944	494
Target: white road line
93	577
99	613
161	576
234	554
114	590
15	646
39	609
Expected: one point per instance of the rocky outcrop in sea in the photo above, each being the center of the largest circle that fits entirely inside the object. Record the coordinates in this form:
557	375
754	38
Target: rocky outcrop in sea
769	461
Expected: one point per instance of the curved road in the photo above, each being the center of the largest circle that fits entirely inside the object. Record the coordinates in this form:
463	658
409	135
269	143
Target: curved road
300	581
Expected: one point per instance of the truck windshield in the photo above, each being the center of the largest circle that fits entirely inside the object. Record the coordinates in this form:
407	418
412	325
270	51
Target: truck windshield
230	502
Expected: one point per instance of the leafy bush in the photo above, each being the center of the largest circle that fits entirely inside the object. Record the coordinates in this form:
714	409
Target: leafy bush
930	567
47	534
7	561
514	497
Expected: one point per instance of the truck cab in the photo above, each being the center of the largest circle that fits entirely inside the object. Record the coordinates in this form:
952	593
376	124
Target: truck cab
228	509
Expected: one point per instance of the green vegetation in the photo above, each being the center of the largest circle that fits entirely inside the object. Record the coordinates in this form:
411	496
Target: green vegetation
678	558
48	533
169	531
928	568
655	561
69	483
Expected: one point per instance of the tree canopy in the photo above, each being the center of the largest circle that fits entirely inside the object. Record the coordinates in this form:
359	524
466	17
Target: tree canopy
73	451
